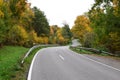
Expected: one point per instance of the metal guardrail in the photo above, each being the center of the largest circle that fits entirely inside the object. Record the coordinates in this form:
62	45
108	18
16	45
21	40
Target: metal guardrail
29	53
93	50
31	49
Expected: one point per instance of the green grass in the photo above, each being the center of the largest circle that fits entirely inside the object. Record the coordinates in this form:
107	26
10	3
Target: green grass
81	51
10	58
22	74
10	62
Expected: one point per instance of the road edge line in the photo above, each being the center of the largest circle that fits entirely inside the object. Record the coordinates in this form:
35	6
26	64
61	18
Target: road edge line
101	63
31	66
97	61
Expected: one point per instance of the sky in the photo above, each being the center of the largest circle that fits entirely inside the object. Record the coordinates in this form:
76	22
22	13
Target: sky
62	11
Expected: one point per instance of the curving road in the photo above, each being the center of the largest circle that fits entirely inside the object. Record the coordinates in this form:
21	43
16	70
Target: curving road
60	63
75	43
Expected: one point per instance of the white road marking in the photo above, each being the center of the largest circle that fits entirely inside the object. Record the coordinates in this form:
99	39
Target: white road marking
100	63
31	66
61	57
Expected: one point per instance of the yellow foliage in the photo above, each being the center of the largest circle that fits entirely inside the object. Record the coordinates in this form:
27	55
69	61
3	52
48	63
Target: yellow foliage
18	35
43	40
23	33
1	14
61	39
81	26
114	41
1	2
33	36
59	32
40	40
116	7
51	31
35	39
27	14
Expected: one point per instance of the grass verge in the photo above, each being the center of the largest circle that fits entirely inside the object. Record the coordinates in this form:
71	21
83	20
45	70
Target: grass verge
10	62
98	55
81	51
22	74
10	58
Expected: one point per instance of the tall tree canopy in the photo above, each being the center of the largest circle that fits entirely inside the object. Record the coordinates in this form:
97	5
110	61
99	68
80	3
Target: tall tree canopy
105	21
81	26
40	23
22	25
66	31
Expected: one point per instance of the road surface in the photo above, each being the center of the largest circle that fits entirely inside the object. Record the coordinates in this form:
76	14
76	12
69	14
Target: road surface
60	63
75	43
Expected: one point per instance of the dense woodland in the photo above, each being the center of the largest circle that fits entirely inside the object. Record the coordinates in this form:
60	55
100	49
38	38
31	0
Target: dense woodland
100	27
25	26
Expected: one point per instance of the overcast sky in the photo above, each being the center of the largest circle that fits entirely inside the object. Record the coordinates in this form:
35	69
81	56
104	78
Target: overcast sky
60	11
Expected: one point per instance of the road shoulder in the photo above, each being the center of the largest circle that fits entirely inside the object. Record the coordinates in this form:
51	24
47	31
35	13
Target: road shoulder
109	60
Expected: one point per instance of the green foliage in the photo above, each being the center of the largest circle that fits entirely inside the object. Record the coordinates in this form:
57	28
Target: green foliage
53	34
18	35
21	74
66	33
100	27
17	7
2	31
59	35
21	25
105	17
89	39
4	21
114	41
40	23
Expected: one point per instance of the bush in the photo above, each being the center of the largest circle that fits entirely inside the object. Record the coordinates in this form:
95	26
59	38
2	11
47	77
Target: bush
89	38
17	35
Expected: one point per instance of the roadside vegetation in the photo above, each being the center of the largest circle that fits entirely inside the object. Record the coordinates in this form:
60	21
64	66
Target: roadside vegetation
25	26
21	25
100	27
10	58
24	68
81	51
10	62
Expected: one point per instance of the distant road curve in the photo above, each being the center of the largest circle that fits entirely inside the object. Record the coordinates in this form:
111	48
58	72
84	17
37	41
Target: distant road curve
75	43
60	63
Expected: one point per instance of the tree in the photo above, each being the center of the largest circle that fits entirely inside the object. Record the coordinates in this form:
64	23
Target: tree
53	34
81	27
26	18
66	32
17	35
105	16
17	7
40	23
60	38
59	35
4	21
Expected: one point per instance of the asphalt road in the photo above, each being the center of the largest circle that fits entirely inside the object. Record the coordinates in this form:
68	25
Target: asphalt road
75	43
60	63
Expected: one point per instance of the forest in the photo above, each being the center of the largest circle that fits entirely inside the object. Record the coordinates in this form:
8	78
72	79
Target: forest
25	26
100	26
22	27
